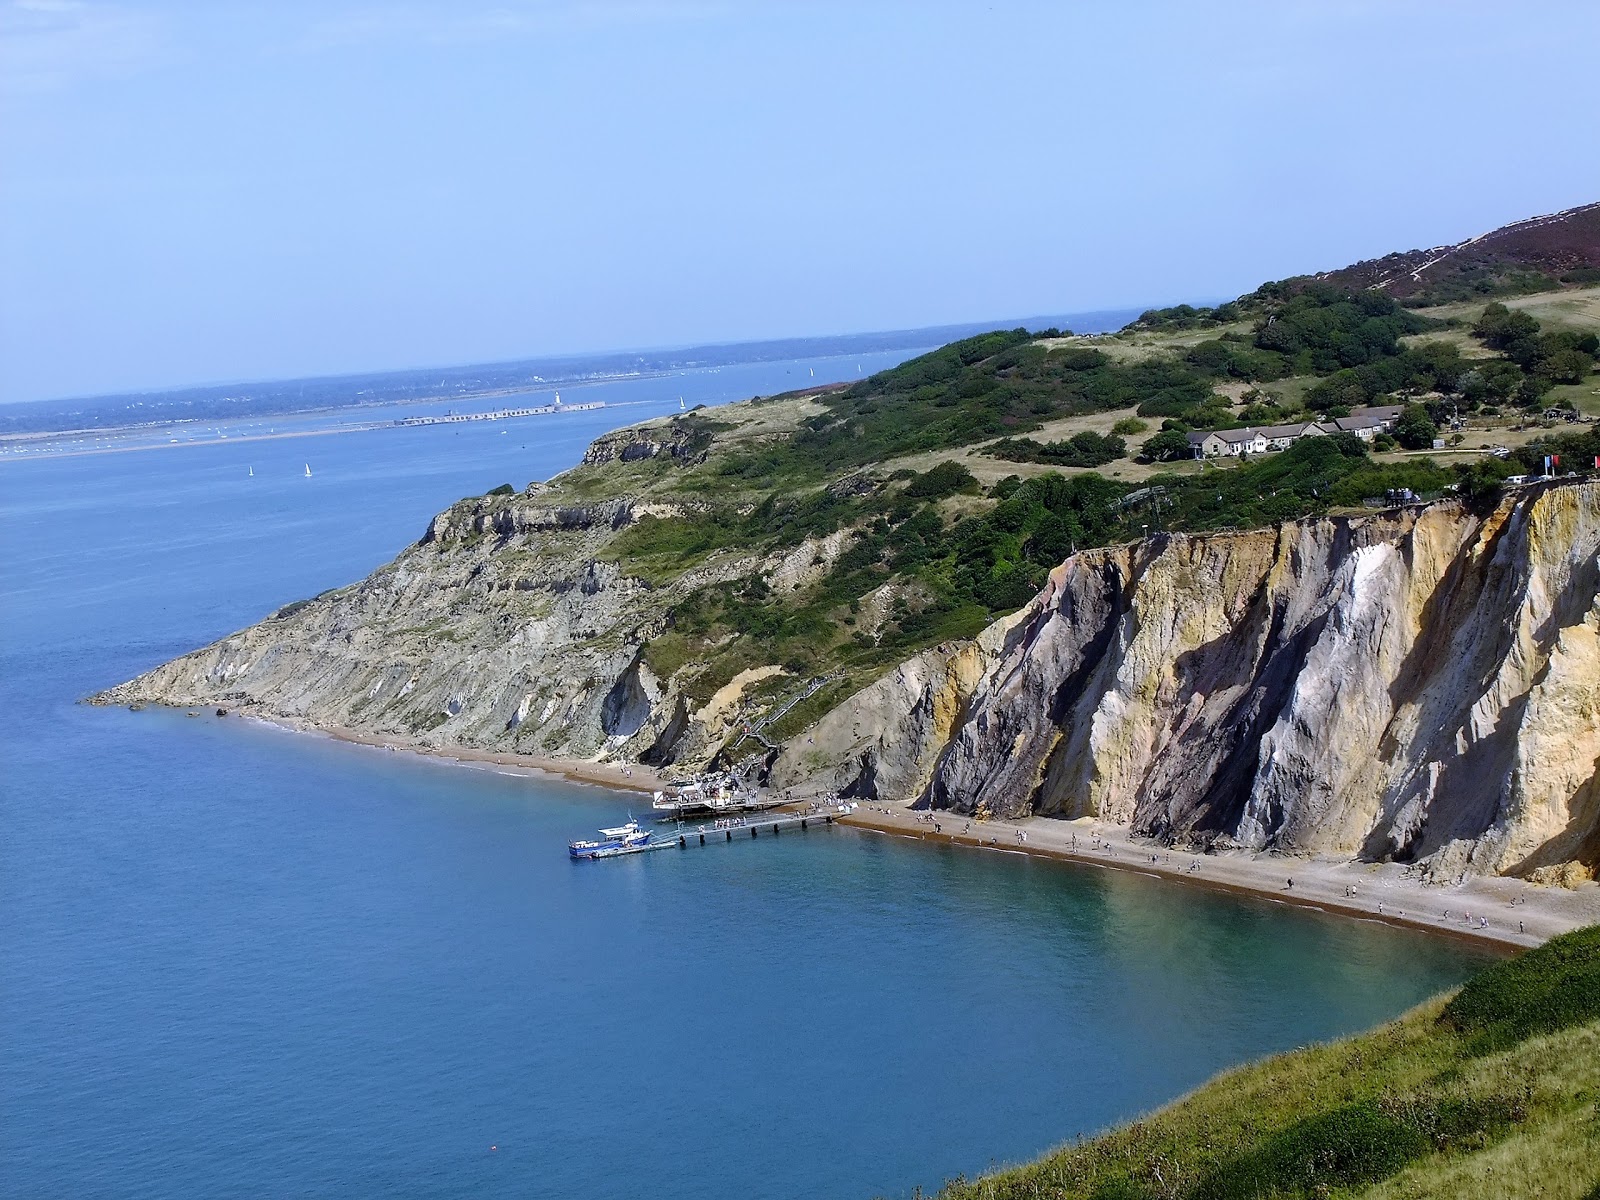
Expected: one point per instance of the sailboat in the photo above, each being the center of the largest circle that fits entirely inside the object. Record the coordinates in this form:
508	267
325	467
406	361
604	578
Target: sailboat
252	472
680	404
813	372
308	470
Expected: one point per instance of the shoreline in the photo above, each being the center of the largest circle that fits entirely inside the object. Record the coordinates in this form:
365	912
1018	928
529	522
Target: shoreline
1519	914
629	778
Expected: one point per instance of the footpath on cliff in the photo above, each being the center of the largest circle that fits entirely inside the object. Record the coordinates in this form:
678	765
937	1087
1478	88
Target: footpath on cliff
1499	910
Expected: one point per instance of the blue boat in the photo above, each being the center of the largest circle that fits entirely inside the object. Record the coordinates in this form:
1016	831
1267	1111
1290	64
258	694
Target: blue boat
621	840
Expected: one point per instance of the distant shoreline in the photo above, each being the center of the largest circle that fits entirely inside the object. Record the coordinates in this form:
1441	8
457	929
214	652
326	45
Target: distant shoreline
231	440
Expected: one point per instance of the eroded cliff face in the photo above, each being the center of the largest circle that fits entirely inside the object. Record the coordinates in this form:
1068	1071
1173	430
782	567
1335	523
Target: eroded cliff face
1418	685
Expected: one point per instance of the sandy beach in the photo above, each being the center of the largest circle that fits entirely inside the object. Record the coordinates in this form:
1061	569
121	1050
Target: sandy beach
1497	911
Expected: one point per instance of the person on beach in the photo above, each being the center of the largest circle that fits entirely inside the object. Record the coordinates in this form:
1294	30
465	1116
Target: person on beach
1290	888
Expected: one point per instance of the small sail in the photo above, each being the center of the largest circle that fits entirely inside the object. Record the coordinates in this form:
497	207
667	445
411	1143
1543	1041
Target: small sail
680	404
308	470
252	472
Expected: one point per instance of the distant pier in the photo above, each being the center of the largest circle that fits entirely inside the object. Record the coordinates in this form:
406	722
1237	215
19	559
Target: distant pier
731	829
503	414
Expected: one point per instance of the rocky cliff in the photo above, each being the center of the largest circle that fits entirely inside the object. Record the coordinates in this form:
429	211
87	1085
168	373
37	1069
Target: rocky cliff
1421	685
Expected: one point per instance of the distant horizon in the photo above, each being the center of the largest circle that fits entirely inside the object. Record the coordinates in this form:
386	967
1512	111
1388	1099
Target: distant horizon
1011	322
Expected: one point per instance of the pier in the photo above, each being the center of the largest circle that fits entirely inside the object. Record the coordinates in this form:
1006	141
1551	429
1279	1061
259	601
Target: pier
731	829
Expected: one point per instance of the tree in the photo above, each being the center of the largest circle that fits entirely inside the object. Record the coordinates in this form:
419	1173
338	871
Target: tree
1499	327
1530	392
1566	366
1167	445
945	479
1415	429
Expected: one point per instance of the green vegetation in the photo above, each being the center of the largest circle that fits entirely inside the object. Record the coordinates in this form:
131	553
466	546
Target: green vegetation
1495	1093
1551	989
1560	356
505	489
1187	316
1080	450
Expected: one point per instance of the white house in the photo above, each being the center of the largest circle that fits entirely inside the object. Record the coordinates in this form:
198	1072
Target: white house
1227	443
1367	423
1281	437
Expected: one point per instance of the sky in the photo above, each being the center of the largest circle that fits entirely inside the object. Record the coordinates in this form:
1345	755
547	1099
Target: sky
208	191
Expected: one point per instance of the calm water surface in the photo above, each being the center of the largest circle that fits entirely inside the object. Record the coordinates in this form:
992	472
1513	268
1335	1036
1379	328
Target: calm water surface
241	962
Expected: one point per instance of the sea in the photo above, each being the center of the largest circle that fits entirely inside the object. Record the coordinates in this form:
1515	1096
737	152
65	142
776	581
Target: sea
237	961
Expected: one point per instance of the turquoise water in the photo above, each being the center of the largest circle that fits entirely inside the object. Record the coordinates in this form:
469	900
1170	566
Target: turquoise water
241	962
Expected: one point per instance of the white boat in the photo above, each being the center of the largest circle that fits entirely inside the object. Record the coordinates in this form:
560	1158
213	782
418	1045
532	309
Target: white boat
308	470
618	840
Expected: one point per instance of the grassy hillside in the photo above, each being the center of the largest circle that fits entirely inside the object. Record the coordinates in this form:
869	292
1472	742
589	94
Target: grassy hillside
836	532
1494	1092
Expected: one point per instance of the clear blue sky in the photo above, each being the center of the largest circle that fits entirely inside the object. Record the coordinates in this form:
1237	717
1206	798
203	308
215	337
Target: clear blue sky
210	191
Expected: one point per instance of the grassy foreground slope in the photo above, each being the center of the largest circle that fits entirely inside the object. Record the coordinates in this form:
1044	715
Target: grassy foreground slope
1494	1092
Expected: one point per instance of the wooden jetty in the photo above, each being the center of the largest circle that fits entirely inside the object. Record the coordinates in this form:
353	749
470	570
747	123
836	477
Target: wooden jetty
729	828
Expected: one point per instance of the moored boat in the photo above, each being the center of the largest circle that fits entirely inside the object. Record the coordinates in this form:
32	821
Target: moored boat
611	841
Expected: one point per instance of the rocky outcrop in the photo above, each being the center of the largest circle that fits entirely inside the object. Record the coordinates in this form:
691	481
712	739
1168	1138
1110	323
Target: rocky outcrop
675	438
506	626
1423	685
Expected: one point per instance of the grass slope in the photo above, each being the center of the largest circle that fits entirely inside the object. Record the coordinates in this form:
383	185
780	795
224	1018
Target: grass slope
1493	1092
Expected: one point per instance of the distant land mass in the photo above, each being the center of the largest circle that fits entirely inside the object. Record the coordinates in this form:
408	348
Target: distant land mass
212	402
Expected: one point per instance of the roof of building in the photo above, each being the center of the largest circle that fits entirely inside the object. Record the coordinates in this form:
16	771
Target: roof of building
1237	435
1297	429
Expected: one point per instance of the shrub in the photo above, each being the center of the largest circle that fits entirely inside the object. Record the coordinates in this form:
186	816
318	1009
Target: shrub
1081	450
945	479
1415	429
1167	445
505	489
1551	988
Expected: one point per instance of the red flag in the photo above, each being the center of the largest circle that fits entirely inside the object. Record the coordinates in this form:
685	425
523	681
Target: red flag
1555	460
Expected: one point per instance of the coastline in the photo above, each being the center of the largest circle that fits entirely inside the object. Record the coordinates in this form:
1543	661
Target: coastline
629	778
1519	914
